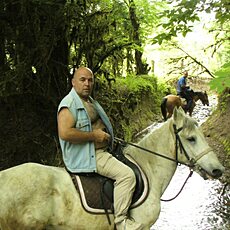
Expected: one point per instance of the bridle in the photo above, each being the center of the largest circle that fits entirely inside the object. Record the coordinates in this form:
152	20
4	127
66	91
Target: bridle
192	161
178	145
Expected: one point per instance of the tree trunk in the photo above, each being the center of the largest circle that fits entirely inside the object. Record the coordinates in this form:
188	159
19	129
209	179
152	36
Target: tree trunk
141	68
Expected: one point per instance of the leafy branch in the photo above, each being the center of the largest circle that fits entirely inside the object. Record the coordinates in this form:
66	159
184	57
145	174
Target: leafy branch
196	61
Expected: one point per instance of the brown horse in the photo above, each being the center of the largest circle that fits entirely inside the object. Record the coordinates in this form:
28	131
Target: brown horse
169	102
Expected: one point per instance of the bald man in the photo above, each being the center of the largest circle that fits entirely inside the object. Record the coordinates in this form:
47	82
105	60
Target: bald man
86	135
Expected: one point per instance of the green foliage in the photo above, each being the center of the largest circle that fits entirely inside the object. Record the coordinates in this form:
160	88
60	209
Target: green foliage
223	79
49	36
177	20
138	83
179	16
33	36
132	103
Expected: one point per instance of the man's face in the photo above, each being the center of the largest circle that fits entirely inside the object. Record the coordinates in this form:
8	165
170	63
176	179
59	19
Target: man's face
186	74
83	82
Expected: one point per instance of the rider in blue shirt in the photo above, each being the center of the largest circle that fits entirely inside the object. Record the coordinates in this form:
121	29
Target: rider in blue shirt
184	91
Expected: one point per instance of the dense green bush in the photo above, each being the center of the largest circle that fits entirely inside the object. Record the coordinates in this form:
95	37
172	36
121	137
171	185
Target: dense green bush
133	103
30	125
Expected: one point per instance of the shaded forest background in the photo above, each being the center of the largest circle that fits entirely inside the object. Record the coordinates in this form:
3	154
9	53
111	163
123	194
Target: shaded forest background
42	41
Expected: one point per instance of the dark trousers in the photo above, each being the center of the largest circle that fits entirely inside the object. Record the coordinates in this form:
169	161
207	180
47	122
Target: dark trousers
188	97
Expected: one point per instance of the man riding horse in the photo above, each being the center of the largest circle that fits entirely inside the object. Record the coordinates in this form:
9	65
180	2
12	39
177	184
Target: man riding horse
85	135
184	91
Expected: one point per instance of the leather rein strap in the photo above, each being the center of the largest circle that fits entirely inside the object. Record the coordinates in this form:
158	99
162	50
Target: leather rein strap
192	161
155	153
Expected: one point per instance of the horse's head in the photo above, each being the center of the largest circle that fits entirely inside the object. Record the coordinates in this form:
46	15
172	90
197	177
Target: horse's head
195	149
204	98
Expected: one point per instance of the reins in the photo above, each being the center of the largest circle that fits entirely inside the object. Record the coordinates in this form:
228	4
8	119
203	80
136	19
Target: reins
163	156
150	151
177	141
190	174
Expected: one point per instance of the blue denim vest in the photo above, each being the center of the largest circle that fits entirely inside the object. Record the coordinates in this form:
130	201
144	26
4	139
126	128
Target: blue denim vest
79	158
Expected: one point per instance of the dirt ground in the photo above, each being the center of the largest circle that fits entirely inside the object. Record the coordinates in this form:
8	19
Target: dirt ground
216	130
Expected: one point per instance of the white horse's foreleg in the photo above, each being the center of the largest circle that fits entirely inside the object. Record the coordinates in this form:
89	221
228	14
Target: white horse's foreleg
141	216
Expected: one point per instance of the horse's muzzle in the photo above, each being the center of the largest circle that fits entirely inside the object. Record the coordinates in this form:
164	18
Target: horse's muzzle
214	174
217	173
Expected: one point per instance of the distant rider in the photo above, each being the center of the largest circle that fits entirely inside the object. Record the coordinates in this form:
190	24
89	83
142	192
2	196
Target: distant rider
184	91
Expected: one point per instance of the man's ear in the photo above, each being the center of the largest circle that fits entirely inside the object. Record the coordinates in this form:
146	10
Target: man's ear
73	81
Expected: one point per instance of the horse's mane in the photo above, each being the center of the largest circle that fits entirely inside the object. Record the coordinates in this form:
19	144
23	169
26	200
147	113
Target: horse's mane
140	142
199	93
189	123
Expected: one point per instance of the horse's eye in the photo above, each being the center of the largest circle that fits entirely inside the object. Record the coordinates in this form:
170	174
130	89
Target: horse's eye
191	139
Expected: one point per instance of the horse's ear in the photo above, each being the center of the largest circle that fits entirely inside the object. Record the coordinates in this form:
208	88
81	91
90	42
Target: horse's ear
180	110
177	112
174	113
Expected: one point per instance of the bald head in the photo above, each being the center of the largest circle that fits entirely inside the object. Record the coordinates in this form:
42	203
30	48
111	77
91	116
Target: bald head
82	70
83	82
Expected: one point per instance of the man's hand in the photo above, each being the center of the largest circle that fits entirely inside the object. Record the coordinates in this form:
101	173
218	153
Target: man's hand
100	135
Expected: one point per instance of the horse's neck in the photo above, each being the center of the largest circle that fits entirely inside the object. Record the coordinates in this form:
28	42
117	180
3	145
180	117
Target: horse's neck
158	169
197	96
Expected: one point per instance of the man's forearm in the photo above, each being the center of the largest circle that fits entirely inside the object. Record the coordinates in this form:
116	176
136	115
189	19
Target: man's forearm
78	137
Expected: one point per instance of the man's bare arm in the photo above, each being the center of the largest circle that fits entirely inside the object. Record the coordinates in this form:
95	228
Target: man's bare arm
68	132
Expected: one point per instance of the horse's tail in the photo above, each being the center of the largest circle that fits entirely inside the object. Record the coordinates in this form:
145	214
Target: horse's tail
163	108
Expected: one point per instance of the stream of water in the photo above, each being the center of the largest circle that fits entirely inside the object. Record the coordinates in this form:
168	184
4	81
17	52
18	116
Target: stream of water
195	207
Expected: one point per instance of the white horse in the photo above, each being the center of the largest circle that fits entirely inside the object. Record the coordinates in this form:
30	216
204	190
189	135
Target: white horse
34	196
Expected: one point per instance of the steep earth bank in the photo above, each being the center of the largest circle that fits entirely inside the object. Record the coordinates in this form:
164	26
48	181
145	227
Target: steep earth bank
216	130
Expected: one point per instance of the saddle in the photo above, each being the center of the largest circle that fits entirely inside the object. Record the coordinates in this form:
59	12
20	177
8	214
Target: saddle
96	191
